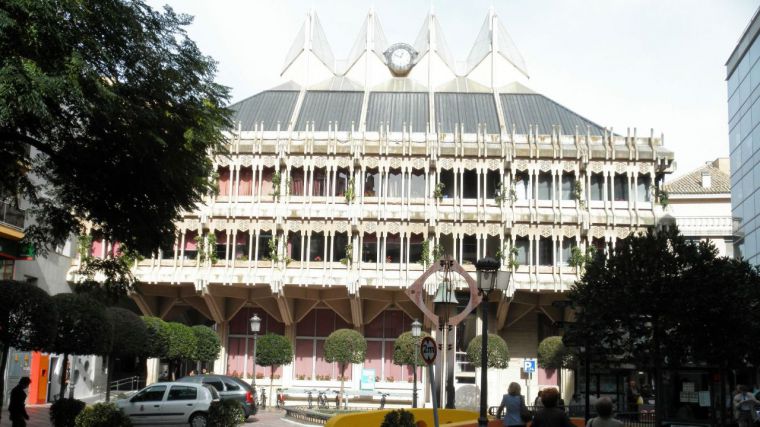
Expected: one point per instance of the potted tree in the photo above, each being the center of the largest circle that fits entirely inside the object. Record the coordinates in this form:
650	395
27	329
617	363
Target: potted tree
345	346
273	350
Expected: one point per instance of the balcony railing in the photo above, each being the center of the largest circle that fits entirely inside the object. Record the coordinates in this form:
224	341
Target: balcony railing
11	215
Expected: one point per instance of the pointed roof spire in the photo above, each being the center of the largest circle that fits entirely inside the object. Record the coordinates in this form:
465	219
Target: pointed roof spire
430	39
493	39
311	39
371	39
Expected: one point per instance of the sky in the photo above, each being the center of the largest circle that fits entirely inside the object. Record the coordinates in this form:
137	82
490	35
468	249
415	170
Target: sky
645	64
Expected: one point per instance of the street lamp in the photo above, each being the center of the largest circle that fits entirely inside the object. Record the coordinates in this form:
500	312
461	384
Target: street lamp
255	328
488	272
416	332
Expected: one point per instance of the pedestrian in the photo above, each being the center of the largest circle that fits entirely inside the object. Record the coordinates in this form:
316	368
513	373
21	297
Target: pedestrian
517	413
604	419
537	401
191	373
633	397
204	371
550	415
17	404
744	406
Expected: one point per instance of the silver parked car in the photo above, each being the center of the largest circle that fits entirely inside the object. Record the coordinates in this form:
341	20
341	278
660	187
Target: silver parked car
170	403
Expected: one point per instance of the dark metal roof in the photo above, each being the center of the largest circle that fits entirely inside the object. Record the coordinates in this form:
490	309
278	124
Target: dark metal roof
396	108
323	107
468	109
524	110
268	107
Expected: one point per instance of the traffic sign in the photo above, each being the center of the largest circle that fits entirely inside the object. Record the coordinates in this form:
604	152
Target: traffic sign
529	366
428	349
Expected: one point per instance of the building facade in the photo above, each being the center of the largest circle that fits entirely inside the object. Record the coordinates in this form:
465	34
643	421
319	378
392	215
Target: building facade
699	203
344	183
743	76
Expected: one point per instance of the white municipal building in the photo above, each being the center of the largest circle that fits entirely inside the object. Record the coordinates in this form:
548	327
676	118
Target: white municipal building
339	179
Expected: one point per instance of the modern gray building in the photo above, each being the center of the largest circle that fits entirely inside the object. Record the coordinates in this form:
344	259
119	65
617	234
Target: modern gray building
743	75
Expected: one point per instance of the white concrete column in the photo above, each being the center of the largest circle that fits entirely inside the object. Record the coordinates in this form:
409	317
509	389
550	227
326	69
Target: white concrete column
220	364
153	365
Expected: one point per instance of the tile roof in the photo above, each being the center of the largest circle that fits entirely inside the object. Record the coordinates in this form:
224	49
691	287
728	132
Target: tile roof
691	183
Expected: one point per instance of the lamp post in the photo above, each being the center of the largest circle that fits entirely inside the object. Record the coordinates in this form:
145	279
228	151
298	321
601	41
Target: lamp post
488	269
255	328
416	332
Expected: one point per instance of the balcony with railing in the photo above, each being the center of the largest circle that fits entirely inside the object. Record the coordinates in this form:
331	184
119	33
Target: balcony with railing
11	216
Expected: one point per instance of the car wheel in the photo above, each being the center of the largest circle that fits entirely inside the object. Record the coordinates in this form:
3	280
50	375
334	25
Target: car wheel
198	420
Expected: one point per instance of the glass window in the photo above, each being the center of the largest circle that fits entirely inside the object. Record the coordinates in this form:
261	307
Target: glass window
294	246
621	188
263	240
415	248
342	177
469	248
544	186
417	188
394	183
522	189
545	251
642	188
393	248
567	247
150	394
369	247
597	186
182	392
493	181
231	386
372	183
568	186
317	247
469	184
522	244
340	243
214	382
447	179
296	182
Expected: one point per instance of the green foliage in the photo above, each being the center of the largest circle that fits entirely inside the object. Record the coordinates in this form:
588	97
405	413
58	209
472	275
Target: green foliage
63	412
83	326
207	248
182	341
157	344
579	259
662	197
508	257
349	255
26	315
500	194
102	415
350	191
552	353
718	302
578	194
406	347
273	350
130	334
345	346
276	180
225	413
272	250
398	418
426	258
438	190
208	344
498	354
124	110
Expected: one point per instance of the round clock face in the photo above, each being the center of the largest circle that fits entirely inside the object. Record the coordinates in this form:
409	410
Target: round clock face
401	58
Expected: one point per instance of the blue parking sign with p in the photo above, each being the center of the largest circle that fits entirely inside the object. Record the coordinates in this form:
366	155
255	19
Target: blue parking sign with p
529	366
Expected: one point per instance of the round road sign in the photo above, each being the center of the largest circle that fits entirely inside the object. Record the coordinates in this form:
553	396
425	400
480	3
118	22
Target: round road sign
428	349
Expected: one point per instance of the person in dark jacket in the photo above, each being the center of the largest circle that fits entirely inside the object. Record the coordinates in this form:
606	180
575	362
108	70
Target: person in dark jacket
17	405
551	415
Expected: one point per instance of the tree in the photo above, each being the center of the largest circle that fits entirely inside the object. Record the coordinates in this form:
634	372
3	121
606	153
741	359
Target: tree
406	350
83	328
498	353
646	273
273	350
207	345
26	316
345	346
123	110
182	343
130	336
157	344
552	353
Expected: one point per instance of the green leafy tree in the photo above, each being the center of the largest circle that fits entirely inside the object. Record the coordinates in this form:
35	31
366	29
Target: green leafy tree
26	313
646	273
207	346
157	343
406	350
130	336
83	328
122	108
552	353
273	350
345	346
498	353
182	344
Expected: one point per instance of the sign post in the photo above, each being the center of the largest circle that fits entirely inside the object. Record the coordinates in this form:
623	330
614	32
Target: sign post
529	367
429	351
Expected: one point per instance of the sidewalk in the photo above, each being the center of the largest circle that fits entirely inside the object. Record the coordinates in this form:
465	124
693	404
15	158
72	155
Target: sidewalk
39	417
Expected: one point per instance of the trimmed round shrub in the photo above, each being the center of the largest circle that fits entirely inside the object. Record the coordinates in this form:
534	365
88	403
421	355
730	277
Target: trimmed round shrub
182	341
63	412
498	354
552	353
398	418
225	413
158	337
207	345
406	347
102	415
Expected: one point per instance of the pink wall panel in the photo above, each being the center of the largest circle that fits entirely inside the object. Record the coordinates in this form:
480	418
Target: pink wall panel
325	322
322	367
97	248
547	376
374	357
235	356
266	182
246	181
391	370
374	329
224	181
240	324
190	243
305	327
303	359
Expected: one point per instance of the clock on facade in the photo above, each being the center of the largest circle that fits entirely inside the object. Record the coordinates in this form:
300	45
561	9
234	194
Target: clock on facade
400	59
